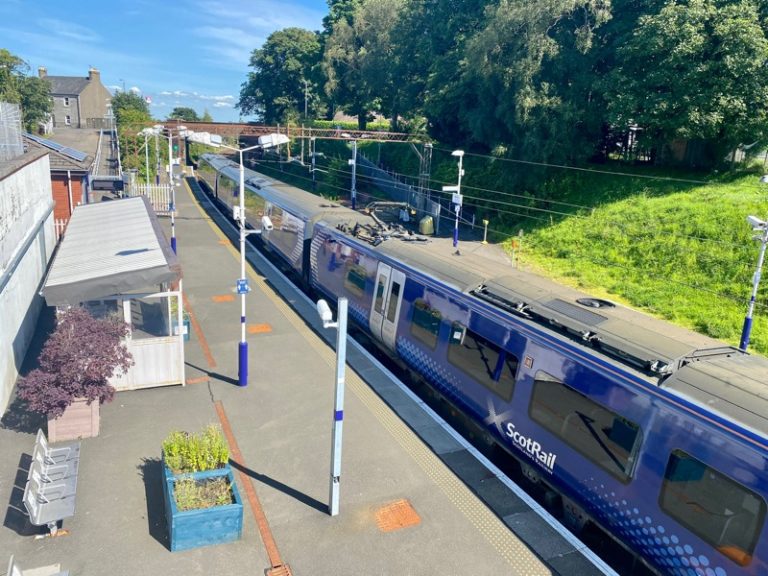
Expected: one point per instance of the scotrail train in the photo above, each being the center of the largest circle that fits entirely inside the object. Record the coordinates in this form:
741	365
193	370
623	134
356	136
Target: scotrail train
655	434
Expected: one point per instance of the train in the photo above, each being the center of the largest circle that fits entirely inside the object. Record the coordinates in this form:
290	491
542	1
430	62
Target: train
655	434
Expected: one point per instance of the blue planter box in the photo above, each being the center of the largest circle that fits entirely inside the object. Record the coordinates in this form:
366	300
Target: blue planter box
195	528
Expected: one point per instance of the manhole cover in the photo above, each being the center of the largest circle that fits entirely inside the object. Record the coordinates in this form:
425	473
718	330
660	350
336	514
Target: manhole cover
397	515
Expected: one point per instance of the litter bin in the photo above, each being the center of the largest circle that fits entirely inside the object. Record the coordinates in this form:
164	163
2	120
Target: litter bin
427	226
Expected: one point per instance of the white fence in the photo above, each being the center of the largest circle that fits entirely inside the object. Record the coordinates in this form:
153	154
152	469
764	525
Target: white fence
160	196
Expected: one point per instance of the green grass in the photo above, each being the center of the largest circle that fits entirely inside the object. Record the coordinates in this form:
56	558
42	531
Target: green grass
686	255
673	243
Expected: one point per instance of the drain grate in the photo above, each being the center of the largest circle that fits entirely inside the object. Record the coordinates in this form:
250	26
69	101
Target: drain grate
281	570
397	515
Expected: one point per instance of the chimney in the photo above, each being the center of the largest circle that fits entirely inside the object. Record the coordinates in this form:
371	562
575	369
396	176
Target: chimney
42	72
93	74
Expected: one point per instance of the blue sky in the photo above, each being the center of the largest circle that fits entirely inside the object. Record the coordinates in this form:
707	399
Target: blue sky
178	52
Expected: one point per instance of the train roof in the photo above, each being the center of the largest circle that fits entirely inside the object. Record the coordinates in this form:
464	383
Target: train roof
734	387
307	205
697	367
651	344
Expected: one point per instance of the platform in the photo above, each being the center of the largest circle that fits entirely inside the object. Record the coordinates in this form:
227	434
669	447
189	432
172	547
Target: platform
414	498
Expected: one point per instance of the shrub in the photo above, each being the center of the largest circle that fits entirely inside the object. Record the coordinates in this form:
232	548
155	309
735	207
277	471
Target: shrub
195	494
77	361
184	452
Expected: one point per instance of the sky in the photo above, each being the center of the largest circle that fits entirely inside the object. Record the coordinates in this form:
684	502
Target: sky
191	53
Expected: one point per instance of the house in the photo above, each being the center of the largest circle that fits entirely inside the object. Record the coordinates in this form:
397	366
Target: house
69	174
80	102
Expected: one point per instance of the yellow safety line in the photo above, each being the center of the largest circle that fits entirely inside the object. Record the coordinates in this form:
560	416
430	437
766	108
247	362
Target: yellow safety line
509	546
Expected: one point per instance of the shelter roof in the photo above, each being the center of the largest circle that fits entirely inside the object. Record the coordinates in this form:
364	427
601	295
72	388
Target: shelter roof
110	248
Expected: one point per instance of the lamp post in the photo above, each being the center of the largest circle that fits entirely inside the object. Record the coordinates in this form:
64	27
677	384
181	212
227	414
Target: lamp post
457	198
146	132
242	283
338	403
353	162
157	131
761	227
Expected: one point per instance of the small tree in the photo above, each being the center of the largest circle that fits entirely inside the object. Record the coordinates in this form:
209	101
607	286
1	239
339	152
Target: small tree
77	361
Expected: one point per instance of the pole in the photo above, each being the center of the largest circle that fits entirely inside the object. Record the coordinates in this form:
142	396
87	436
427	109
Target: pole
353	163
305	99
312	147
458	206
146	159
157	161
242	373
172	207
338	406
747	328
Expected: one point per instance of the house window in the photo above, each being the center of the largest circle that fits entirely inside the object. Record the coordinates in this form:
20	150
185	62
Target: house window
68	120
721	511
66	101
606	438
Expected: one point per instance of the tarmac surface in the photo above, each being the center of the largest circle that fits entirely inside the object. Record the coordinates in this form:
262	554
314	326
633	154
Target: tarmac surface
281	424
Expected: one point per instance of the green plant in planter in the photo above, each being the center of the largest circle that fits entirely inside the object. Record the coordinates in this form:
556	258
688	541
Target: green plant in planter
184	452
196	494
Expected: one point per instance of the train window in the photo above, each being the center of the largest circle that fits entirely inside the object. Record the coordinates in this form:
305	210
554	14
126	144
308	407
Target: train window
394	300
606	438
425	322
355	280
482	360
719	510
378	304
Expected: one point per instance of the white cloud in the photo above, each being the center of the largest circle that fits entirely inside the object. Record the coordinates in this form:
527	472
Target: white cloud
223	104
134	90
69	30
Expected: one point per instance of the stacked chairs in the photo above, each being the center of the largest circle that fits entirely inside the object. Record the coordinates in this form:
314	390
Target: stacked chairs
49	495
15	570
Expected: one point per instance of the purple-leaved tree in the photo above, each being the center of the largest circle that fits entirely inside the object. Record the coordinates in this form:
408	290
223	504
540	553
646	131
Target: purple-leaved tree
77	361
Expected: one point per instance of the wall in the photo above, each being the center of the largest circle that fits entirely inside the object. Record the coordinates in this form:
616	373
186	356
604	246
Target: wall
26	245
93	103
60	111
62	209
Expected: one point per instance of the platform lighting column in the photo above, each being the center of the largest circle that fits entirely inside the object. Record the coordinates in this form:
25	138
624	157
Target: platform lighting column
242	284
312	151
353	162
761	227
146	156
157	160
457	198
326	316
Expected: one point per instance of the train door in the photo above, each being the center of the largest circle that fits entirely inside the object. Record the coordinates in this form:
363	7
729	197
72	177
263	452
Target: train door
387	297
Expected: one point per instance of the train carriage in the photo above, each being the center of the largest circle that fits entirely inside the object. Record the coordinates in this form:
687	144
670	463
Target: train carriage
654	433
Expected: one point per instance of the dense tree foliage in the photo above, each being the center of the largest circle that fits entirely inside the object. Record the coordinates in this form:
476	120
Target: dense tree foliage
31	92
184	113
130	109
563	80
285	69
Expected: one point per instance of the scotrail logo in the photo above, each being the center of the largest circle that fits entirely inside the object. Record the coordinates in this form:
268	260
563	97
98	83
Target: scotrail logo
531	448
